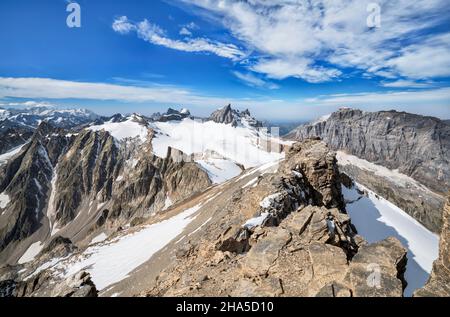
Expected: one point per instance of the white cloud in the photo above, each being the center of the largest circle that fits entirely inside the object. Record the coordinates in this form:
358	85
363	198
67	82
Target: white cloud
123	26
403	99
313	39
155	35
253	81
62	89
28	104
429	102
298	67
406	84
185	31
426	60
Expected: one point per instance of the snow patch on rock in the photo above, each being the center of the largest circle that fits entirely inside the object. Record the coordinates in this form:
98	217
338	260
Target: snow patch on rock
31	252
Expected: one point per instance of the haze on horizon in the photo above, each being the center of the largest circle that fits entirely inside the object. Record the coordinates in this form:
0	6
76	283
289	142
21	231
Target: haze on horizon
283	60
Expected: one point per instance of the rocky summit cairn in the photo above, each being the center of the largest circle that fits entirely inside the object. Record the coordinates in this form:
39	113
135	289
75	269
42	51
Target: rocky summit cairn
298	242
439	283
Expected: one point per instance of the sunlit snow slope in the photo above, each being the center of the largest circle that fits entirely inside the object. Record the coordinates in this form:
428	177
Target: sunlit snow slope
244	144
376	219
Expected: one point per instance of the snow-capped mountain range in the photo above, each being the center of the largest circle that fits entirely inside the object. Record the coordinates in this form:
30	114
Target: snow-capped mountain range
31	117
64	179
88	200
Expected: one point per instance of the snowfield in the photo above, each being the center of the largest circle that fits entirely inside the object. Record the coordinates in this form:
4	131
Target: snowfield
4	200
241	144
393	175
219	170
268	200
100	238
6	156
31	253
128	129
377	219
112	261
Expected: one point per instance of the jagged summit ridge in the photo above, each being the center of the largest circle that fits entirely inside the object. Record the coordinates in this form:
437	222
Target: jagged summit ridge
228	115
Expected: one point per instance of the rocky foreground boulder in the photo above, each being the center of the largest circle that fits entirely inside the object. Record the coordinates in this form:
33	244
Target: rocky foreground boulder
439	283
288	235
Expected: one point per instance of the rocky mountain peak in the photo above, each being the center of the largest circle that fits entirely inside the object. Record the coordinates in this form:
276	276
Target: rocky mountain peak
136	117
228	115
44	128
172	115
225	115
118	117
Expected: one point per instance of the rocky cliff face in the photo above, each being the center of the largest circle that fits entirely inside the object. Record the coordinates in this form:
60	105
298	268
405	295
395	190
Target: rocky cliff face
85	171
13	136
298	241
75	184
439	283
26	181
155	184
413	145
417	146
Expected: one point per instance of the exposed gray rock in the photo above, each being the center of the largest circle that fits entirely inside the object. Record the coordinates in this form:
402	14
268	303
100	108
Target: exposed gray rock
26	180
417	201
415	145
439	283
87	169
171	115
44	285
234	117
12	136
59	176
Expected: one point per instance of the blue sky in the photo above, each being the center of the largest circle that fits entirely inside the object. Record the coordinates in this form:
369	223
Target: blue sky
282	59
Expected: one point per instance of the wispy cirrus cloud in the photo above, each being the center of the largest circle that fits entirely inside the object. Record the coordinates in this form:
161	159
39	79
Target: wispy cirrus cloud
254	81
154	34
407	84
395	99
316	40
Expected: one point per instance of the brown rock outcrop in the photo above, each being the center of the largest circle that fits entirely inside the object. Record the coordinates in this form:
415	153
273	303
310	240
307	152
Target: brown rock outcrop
305	244
439	283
